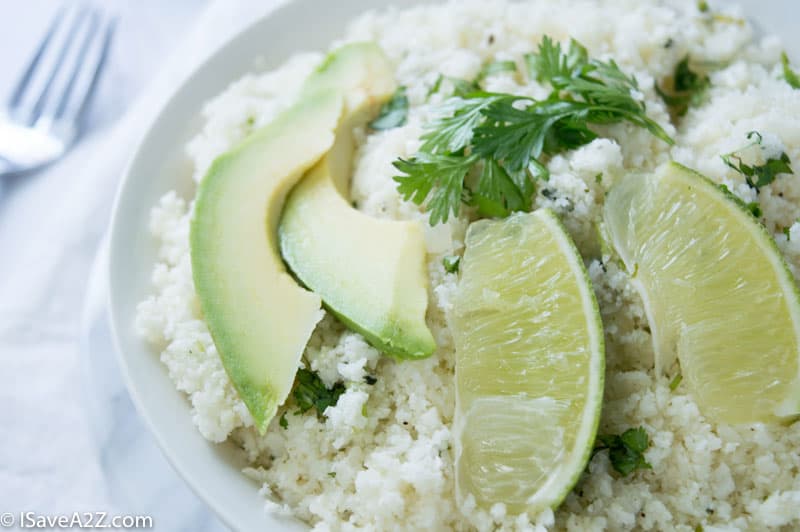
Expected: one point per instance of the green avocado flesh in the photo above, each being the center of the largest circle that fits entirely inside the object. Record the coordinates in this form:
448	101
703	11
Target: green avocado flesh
259	317
369	272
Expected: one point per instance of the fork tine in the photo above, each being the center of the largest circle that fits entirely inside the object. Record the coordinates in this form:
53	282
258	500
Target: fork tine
69	42
22	84
78	65
88	67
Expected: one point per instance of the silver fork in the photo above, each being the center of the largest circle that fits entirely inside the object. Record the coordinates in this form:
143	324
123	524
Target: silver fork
43	117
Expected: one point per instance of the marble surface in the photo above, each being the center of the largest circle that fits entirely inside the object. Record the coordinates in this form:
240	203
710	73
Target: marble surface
71	438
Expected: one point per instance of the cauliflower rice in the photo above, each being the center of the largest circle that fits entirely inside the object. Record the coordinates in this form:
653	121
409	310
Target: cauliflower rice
381	459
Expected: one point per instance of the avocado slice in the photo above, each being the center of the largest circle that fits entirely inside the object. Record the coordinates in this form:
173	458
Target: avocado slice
259	317
369	272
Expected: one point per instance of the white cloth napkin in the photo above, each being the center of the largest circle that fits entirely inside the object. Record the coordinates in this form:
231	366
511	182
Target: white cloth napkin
71	441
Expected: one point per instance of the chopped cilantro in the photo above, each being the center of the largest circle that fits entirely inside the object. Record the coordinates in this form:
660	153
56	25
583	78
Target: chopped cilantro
451	263
598	178
283	422
505	137
673	385
310	392
755	209
689	89
758	176
625	451
332	474
702	6
788	232
393	113
789	75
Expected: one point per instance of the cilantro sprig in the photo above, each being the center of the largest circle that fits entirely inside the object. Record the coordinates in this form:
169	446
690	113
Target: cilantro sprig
310	392
626	450
759	175
503	140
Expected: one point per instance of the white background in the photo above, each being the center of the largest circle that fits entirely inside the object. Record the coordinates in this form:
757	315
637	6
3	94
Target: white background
53	456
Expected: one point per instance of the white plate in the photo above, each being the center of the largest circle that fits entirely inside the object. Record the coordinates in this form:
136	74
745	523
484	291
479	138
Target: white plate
159	165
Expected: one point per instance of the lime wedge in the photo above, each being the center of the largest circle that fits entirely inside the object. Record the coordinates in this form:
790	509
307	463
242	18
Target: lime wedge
717	292
529	364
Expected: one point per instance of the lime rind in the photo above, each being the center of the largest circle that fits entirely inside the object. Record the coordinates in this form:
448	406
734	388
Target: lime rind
597	368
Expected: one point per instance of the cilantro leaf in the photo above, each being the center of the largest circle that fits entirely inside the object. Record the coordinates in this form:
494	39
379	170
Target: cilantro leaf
758	176
675	382
603	86
283	422
393	113
439	176
449	134
451	263
789	75
497	193
689	89
549	63
685	79
605	90
310	392
755	209
626	451
518	136
515	135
